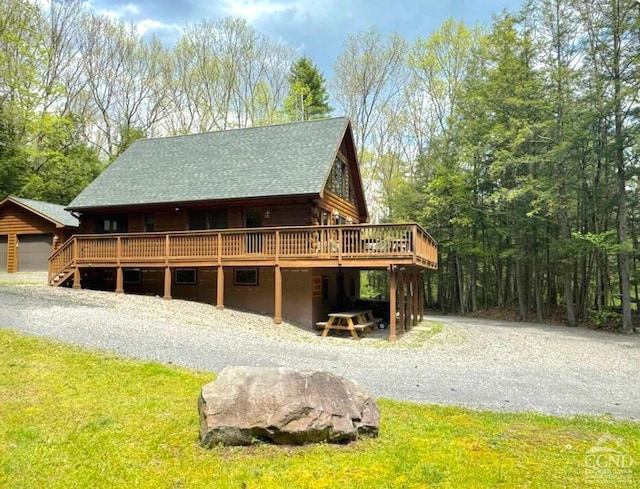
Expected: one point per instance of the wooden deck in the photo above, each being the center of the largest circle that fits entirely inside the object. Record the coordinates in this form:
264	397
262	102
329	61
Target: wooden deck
364	246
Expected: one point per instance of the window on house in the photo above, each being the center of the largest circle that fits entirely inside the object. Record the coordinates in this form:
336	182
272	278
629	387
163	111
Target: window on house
197	220
148	223
185	276
340	180
111	224
208	219
218	219
338	177
132	276
245	276
253	217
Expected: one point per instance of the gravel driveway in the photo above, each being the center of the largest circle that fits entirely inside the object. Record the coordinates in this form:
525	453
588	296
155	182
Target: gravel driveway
469	362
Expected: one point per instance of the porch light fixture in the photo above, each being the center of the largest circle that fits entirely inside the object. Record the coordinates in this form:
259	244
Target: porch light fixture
267	214
335	214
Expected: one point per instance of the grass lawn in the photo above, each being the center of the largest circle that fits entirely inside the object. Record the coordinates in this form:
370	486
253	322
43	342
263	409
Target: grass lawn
73	418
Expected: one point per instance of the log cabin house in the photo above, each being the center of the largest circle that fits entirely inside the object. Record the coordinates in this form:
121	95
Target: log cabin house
266	219
29	231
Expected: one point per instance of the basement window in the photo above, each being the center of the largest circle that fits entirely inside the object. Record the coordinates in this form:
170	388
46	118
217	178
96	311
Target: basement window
185	276
245	276
132	276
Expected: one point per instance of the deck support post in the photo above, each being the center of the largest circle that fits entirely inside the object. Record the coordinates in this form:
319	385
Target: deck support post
277	314
414	289
119	277
393	283
76	278
76	270
414	297
420	296
119	281
220	288
402	320
167	283
409	282
409	304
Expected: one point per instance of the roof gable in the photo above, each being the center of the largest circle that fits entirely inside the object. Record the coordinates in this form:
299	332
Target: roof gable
348	151
52	212
267	161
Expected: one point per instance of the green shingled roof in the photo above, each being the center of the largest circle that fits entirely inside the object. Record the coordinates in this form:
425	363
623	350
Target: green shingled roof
286	159
53	212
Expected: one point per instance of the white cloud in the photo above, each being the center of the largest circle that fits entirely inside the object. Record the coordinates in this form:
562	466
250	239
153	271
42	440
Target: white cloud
129	9
130	13
147	25
119	12
253	10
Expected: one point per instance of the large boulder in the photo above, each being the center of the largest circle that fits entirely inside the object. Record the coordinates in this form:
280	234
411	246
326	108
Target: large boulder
251	404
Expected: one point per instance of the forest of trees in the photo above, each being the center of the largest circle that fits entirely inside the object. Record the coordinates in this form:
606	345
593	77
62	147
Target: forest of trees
515	144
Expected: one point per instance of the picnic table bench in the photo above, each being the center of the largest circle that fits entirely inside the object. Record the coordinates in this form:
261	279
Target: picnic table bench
352	321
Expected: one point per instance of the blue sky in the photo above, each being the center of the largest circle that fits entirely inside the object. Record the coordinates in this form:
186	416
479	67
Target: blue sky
317	28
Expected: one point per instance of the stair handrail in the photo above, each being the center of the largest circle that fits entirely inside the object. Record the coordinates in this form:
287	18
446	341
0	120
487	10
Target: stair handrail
53	270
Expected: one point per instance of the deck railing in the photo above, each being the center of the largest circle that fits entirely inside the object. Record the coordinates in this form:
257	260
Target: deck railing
405	243
62	258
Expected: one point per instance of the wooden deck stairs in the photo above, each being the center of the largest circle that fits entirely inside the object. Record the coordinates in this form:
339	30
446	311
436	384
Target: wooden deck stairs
62	277
62	263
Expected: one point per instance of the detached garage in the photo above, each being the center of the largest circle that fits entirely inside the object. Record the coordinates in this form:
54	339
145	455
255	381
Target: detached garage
29	231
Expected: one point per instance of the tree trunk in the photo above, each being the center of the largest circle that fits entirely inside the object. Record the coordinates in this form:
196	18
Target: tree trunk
625	285
473	289
500	284
567	272
522	311
625	290
460	284
538	291
441	286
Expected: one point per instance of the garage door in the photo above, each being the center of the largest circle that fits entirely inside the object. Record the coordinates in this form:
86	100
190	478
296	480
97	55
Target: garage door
3	253
33	251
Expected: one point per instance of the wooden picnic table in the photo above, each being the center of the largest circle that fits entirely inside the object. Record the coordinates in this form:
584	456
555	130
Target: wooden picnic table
352	321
